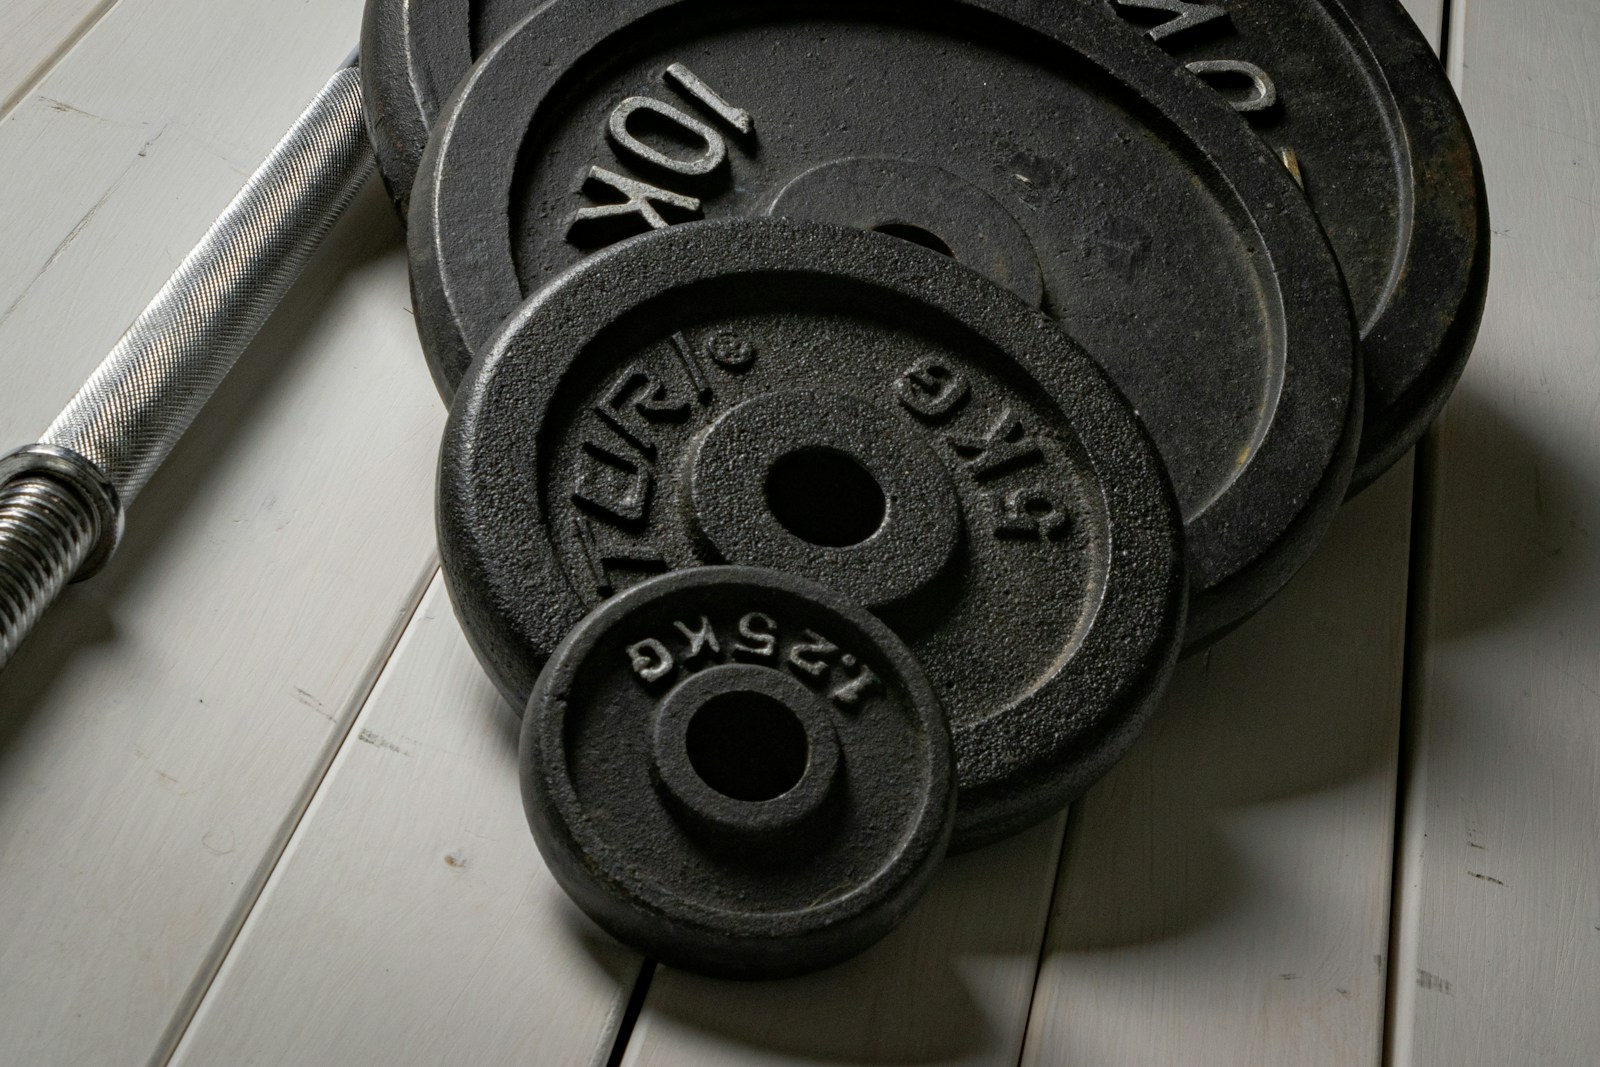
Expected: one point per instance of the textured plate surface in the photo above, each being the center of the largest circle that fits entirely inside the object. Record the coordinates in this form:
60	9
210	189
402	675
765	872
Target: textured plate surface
1169	241
1352	96
642	415
738	772
413	53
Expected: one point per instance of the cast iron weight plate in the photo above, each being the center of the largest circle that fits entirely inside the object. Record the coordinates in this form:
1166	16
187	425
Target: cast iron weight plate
1348	91
738	772
413	53
1354	99
1170	241
853	410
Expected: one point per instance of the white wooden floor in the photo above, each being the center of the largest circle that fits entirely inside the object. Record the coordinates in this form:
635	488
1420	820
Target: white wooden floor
258	803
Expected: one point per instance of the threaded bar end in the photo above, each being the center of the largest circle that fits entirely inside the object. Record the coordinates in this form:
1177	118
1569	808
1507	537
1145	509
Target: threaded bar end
46	532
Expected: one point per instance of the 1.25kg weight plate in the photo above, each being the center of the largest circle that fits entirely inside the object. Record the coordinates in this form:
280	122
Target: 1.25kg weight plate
1353	98
850	409
1047	148
738	772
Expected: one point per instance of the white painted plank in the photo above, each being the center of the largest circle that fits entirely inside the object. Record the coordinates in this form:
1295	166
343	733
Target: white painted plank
1429	17
1498	944
36	33
421	810
1224	892
122	158
951	986
160	733
411	920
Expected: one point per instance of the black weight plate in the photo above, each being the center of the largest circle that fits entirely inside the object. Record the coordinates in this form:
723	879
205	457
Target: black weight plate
856	411
1169	240
738	772
1361	108
413	53
1349	90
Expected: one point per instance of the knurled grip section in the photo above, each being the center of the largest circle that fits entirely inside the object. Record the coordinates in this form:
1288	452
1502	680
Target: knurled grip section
141	399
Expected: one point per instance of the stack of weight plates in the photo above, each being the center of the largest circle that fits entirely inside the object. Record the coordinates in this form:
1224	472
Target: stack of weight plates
857	408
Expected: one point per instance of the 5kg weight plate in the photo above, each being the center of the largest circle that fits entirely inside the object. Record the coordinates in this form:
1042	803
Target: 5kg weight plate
1352	97
738	772
1047	148
855	411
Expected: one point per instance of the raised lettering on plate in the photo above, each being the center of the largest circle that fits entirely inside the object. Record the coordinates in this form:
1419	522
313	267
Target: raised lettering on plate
1006	446
602	557
712	155
931	390
812	645
1218	72
635	399
1188	15
701	639
598	494
736	117
852	690
1031	513
638	202
650	659
758	635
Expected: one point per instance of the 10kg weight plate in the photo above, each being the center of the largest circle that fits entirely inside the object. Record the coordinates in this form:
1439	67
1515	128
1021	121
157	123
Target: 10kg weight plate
1166	238
1347	91
738	772
858	412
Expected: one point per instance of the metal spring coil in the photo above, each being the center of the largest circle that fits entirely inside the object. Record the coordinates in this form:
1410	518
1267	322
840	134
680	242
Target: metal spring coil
46	531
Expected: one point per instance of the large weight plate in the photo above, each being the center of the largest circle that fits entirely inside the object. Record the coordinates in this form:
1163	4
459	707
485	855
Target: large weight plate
413	53
1352	96
853	410
1167	238
738	772
1348	91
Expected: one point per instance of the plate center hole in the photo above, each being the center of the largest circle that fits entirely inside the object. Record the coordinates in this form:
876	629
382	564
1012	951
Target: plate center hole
747	746
825	497
917	236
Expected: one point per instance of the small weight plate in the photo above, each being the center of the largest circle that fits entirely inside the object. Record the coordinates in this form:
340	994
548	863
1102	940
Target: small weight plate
858	412
1048	148
738	772
413	52
1355	101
